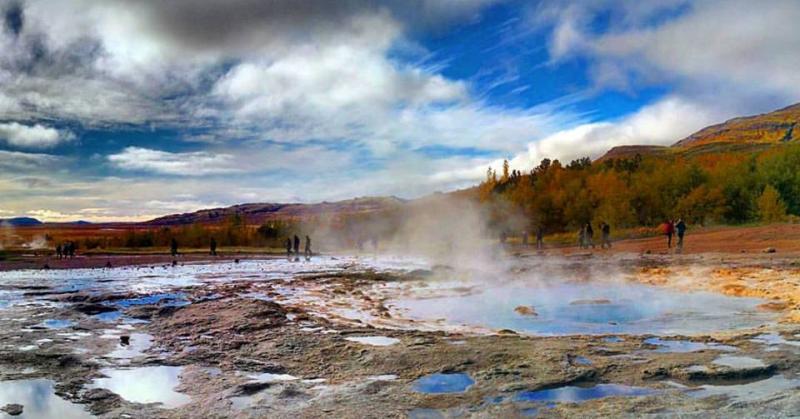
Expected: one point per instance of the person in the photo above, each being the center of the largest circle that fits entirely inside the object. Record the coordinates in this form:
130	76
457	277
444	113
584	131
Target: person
589	235
213	246
540	237
680	228
173	247
582	237
503	237
308	247
525	238
58	251
289	247
296	245
669	230
69	250
605	229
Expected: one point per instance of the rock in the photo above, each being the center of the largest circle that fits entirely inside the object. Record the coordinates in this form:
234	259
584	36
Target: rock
526	311
98	394
124	340
769	250
12	409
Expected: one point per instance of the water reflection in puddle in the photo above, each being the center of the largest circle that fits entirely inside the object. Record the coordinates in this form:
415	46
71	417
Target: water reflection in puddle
574	394
139	342
374	340
443	383
39	400
57	324
747	392
682	346
144	385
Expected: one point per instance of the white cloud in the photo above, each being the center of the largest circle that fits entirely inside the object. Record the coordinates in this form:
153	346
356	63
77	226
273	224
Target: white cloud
161	162
32	136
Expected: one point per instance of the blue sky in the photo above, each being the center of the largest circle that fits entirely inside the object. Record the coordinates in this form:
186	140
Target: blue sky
116	110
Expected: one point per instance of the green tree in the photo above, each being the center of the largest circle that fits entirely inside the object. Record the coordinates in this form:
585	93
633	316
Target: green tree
770	206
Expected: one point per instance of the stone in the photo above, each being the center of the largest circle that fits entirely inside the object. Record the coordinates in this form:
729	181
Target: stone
526	311
13	409
770	250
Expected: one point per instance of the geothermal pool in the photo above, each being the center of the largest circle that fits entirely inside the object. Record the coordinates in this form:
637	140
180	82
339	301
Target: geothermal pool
594	307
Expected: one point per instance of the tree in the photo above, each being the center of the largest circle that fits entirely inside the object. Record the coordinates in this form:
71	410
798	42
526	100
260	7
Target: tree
770	206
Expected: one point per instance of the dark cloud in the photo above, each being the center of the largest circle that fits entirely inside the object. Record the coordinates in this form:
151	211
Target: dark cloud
241	23
14	18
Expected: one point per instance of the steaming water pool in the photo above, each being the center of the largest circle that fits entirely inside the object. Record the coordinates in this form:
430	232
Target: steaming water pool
579	308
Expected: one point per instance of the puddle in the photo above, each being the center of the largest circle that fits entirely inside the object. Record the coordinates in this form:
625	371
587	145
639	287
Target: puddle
592	308
739	362
374	340
747	392
443	383
423	413
57	324
582	360
176	299
272	378
575	394
613	339
109	316
140	342
144	385
39	400
774	339
682	346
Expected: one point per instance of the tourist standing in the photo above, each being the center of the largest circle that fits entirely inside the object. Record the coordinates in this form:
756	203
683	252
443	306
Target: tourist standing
680	228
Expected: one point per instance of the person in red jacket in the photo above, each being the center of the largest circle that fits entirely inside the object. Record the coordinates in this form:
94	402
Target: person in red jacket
669	231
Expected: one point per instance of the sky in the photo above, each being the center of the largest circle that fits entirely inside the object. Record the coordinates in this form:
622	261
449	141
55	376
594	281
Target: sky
131	109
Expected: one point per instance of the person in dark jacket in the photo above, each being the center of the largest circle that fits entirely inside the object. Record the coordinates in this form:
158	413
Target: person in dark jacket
589	235
308	248
605	230
213	246
289	247
296	245
540	237
173	247
680	229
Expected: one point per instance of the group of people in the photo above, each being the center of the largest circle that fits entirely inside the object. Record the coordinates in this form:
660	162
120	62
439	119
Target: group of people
539	238
674	228
586	236
293	247
66	250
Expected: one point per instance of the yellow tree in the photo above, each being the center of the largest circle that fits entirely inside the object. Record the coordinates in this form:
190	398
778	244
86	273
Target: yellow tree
770	206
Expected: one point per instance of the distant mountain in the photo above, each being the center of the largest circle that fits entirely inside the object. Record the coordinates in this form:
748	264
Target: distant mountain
750	133
261	212
20	222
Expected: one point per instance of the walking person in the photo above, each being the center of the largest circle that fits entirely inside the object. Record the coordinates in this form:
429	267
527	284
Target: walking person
308	248
289	248
213	247
605	230
59	252
680	229
296	248
589	235
173	247
539	237
669	231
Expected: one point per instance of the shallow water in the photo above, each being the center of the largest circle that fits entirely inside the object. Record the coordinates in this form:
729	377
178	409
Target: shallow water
683	346
443	383
757	390
574	394
374	340
581	308
144	385
39	400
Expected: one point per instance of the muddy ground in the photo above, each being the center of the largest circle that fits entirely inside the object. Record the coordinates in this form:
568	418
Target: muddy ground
224	334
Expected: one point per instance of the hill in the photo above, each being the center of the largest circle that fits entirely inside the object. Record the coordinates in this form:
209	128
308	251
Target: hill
20	222
258	213
744	134
769	128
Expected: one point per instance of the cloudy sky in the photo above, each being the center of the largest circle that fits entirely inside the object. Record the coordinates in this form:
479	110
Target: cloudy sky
127	109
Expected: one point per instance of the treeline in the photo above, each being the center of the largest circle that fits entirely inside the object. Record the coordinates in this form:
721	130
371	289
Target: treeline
724	187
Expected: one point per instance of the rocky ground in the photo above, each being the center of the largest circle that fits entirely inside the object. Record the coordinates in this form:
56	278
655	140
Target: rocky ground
283	348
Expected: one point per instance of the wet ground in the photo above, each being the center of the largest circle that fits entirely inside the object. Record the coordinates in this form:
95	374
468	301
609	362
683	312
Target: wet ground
401	337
